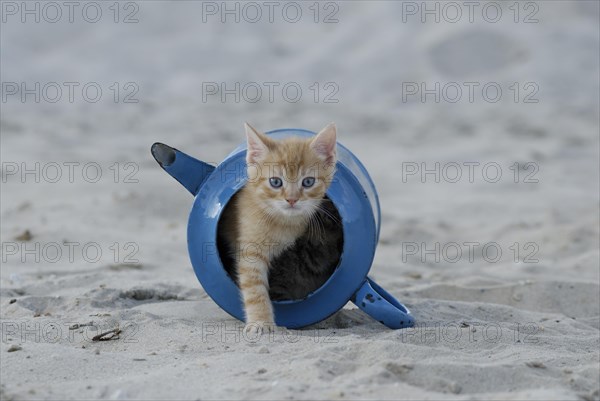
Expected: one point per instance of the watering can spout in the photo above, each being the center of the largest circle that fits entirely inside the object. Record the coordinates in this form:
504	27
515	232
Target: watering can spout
189	172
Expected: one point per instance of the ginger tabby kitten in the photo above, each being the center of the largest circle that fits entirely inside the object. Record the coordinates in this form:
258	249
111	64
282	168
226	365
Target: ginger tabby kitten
287	180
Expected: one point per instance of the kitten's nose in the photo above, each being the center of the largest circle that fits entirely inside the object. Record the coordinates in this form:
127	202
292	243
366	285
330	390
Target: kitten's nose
292	201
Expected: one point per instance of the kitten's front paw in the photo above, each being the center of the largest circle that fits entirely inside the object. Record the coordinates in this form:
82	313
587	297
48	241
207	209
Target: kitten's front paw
253	328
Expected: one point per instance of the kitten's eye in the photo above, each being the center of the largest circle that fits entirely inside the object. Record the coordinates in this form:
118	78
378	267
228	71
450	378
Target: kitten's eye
308	182
275	182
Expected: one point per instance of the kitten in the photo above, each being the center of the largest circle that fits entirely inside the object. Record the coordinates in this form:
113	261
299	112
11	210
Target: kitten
285	191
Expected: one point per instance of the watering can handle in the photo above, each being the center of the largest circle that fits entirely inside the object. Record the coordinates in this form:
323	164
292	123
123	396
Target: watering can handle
382	306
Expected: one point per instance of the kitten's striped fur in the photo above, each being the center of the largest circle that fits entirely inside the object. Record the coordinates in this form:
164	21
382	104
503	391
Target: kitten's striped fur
263	221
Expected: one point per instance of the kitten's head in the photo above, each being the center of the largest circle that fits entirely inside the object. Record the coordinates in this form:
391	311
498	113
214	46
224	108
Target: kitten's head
289	177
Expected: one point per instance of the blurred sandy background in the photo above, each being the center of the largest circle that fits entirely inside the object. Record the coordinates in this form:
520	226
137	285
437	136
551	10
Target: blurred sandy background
520	325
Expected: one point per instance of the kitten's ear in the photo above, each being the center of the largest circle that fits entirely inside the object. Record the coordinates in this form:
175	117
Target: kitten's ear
324	144
257	145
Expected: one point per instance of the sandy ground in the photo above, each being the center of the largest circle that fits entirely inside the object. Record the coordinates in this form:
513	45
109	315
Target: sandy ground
112	250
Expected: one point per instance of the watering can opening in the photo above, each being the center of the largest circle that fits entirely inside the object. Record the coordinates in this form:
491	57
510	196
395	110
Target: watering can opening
301	270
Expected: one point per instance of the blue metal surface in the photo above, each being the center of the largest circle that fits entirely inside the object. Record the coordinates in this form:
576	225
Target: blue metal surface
188	171
383	307
353	194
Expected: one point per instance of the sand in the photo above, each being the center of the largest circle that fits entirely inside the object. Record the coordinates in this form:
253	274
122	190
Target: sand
520	325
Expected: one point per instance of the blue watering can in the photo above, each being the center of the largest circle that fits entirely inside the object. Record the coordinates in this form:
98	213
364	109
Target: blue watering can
354	196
